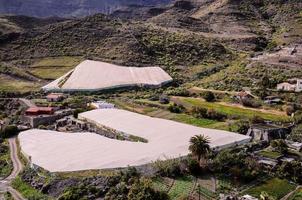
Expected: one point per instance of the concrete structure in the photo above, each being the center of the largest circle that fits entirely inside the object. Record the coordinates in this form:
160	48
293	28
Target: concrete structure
83	151
101	105
55	97
45	119
95	76
292	87
268	131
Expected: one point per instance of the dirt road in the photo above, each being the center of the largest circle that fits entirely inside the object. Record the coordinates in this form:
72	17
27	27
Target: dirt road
5	184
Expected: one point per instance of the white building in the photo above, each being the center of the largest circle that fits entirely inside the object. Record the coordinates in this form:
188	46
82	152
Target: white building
101	105
295	87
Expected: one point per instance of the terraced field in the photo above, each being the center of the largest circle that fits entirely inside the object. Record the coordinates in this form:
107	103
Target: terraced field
53	68
229	110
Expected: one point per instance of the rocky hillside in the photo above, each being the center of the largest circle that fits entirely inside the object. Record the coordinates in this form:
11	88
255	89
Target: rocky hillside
68	8
190	36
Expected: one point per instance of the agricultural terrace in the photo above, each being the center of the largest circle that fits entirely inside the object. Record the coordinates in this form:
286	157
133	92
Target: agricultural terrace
84	151
231	110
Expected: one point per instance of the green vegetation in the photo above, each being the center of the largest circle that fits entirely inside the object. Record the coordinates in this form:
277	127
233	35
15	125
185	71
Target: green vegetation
274	187
160	184
270	154
230	110
9	131
182	187
297	195
27	191
10	84
53	68
5	162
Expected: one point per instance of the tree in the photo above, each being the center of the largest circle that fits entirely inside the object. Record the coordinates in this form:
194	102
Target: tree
296	134
199	146
9	131
280	145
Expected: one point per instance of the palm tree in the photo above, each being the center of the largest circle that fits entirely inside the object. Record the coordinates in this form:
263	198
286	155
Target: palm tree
199	146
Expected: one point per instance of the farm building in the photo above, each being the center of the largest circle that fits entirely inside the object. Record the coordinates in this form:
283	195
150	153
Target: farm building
295	86
95	76
40	111
82	151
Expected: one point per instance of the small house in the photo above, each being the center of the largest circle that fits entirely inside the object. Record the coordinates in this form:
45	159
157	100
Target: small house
295	86
55	97
244	95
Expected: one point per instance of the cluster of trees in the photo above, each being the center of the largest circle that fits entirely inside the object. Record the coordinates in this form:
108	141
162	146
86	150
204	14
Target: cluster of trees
9	131
199	112
238	165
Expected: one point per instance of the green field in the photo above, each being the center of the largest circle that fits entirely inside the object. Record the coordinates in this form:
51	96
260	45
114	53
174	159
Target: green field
275	187
9	84
182	187
53	68
229	110
270	154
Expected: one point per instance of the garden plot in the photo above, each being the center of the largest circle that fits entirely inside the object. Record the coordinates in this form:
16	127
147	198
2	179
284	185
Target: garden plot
57	151
95	76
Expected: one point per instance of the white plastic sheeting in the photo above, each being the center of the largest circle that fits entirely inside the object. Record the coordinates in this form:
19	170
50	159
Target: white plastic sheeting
94	76
57	151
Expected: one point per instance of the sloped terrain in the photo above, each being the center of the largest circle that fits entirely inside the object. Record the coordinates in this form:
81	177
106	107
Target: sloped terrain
68	8
196	35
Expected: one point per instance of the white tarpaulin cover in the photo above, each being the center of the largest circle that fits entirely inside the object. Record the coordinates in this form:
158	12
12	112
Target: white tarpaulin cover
94	76
57	151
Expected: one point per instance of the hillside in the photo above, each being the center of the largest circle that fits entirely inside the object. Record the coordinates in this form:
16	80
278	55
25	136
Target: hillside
205	43
68	8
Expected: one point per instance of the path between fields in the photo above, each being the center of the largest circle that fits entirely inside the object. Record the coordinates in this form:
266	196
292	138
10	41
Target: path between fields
5	184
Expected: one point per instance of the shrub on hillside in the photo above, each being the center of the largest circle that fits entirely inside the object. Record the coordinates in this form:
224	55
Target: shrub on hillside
174	108
250	103
208	96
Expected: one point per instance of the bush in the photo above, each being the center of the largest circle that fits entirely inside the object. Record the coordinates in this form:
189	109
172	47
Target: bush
208	96
250	103
212	114
9	131
164	99
296	134
174	108
241	127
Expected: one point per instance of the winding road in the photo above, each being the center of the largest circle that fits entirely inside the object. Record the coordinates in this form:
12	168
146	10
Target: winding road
5	184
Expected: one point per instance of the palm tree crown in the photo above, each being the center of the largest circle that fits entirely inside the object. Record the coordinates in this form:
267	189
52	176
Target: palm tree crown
199	146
